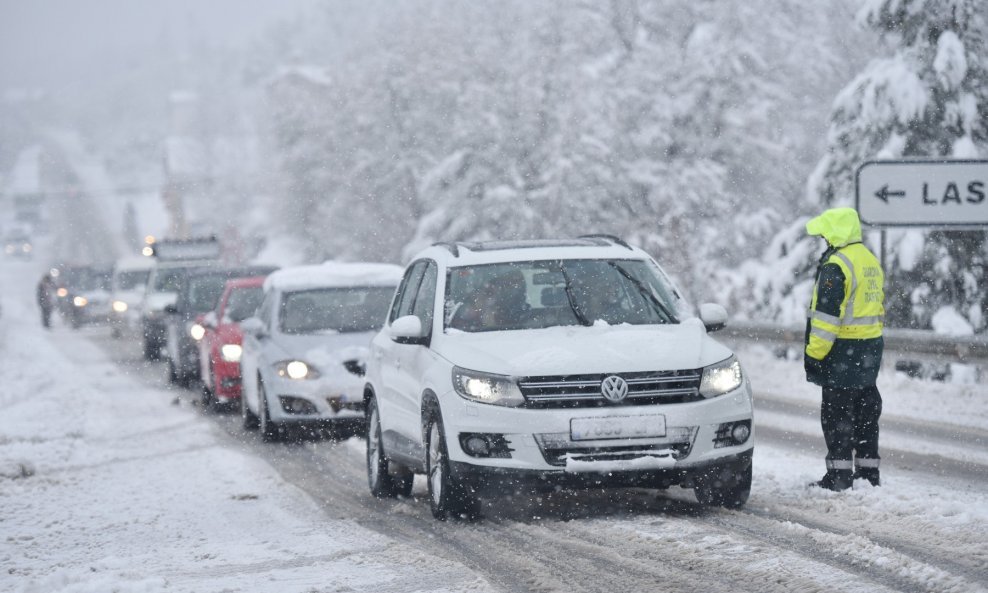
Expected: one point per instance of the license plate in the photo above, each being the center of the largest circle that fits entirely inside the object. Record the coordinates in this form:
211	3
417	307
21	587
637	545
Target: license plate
617	427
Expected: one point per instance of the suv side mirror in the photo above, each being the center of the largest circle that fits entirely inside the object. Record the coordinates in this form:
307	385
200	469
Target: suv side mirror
254	327
713	316
408	330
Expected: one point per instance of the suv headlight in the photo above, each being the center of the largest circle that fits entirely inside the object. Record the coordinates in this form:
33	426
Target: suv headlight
486	388
721	378
295	369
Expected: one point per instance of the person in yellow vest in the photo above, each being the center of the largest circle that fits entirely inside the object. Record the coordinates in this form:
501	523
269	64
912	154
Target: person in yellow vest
844	347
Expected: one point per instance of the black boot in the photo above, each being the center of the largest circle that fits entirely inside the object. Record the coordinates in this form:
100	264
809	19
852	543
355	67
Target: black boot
835	479
868	473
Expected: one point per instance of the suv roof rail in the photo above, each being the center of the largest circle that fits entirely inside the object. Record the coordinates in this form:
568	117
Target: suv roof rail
453	248
612	238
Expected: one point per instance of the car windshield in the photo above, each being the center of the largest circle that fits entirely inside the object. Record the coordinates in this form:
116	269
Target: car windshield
541	294
168	280
344	309
205	292
243	302
132	279
85	279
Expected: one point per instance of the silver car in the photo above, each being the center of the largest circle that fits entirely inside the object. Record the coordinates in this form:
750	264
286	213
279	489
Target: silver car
304	352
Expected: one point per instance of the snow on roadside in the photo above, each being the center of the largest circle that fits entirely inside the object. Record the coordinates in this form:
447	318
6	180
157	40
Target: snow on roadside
950	403
106	486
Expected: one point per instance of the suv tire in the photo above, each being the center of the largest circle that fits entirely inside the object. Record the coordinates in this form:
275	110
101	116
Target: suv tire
382	483
716	488
152	349
446	498
250	420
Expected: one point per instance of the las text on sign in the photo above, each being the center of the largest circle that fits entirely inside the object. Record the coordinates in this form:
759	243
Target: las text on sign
923	193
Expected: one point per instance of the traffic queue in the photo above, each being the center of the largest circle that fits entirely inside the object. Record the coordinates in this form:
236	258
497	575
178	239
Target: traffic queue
500	366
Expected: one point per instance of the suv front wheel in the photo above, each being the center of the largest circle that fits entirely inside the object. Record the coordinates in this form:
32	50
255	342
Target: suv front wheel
725	487
447	498
382	483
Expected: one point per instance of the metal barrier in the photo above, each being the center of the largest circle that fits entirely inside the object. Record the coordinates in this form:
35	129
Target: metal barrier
964	349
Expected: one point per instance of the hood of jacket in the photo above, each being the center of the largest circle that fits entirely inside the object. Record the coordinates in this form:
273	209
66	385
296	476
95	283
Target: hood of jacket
839	226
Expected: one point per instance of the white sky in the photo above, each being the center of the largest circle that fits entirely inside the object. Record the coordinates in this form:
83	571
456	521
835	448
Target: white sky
45	43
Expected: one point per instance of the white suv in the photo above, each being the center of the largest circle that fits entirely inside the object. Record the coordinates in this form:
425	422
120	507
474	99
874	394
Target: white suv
552	363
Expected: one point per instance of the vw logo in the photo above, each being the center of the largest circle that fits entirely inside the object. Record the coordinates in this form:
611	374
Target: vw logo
614	388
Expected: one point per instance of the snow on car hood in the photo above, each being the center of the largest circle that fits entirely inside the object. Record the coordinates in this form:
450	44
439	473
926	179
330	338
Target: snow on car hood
328	351
585	350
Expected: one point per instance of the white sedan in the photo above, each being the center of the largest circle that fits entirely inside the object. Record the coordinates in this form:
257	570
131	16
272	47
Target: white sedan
304	352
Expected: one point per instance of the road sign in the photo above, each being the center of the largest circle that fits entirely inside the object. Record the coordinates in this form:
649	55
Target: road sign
923	193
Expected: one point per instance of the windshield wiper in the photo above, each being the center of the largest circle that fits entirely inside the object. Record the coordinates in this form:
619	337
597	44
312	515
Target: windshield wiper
567	287
645	292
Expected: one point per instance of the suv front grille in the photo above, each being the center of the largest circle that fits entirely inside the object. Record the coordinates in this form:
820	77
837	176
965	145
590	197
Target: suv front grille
556	447
583	391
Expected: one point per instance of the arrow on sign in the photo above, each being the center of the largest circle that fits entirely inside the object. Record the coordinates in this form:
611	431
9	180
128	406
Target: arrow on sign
884	194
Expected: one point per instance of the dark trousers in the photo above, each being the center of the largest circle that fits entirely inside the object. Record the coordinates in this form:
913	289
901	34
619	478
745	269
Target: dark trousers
850	425
46	316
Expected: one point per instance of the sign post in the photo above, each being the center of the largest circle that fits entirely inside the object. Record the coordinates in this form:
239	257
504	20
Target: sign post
949	194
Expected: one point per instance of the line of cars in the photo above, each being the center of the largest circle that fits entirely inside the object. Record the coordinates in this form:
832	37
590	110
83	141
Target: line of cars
487	367
287	348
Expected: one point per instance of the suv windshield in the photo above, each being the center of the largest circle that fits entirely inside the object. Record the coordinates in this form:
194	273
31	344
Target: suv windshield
540	294
133	279
347	309
243	302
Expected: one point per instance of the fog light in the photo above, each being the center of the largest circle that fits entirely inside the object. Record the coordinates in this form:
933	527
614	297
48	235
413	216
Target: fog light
477	446
732	434
740	433
80	301
482	444
296	405
119	306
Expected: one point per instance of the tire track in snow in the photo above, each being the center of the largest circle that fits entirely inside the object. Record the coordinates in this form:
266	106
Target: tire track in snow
921	545
857	554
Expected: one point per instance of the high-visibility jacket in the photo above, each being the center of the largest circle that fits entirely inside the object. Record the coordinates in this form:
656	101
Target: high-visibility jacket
862	311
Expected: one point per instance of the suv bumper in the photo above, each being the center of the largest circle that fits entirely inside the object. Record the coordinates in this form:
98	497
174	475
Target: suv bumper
543	440
499	480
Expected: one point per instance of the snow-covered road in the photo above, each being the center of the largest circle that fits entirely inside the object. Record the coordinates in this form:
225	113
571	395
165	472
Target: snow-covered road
111	480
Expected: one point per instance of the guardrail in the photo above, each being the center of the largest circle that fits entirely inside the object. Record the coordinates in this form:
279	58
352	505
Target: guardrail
965	349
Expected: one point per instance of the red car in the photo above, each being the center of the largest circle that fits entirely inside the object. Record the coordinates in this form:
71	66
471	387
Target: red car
220	346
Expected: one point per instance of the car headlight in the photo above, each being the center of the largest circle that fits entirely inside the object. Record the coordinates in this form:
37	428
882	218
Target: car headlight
486	388
231	352
62	292
119	306
197	331
80	301
295	369
721	378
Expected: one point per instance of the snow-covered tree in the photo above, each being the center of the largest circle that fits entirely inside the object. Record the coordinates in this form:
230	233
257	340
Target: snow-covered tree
928	98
